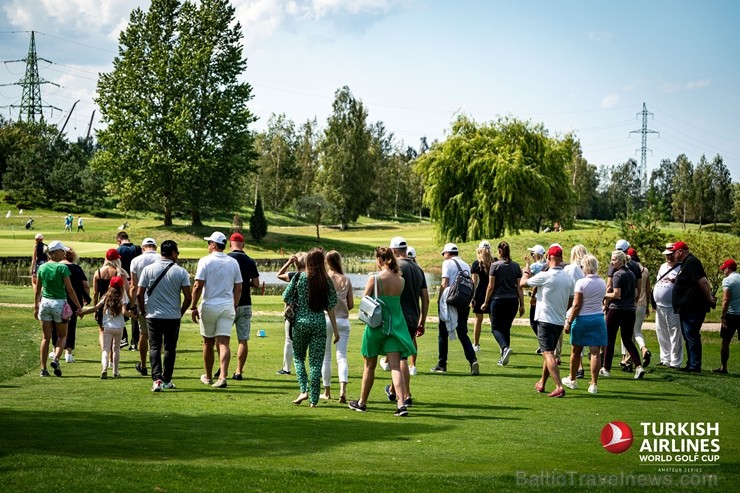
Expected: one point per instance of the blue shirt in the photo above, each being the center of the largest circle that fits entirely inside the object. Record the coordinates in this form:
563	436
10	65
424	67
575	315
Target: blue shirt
732	283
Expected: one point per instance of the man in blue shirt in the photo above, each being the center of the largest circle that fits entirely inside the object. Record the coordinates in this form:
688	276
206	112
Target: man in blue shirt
730	310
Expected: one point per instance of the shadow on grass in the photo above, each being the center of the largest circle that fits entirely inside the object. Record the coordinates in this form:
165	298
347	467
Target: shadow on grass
159	434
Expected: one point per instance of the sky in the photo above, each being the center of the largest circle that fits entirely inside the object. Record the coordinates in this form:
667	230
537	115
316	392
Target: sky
580	66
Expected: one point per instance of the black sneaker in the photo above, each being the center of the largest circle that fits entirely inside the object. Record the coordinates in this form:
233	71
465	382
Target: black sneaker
579	373
44	373
237	376
438	369
133	347
282	372
401	411
124	342
646	359
142	371
391	395
355	406
217	374
57	368
408	402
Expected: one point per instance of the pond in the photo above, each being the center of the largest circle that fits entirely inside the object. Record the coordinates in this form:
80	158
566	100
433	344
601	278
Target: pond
17	274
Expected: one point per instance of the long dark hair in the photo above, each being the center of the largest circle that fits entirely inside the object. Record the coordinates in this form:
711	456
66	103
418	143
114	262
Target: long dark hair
334	261
504	251
387	258
318	280
113	299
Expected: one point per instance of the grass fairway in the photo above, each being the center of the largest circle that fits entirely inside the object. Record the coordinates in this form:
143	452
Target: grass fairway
78	433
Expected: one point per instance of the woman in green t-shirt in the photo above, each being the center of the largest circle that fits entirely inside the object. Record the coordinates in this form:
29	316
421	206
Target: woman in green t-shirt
50	297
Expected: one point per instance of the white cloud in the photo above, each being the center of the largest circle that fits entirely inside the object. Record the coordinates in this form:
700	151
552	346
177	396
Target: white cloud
90	16
599	36
697	84
610	100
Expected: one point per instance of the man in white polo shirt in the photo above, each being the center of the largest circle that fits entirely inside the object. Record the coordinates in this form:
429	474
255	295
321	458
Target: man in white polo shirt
554	286
219	280
149	256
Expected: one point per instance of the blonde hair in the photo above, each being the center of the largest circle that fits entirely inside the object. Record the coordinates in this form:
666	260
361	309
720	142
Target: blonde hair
620	255
590	264
485	259
577	253
300	260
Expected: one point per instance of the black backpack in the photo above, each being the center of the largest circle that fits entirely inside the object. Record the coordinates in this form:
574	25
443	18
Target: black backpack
460	292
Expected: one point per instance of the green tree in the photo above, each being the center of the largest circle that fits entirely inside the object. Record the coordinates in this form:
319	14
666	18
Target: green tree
307	157
346	158
736	208
317	209
661	184
585	181
175	110
277	162
683	189
258	222
722	186
502	176
702	182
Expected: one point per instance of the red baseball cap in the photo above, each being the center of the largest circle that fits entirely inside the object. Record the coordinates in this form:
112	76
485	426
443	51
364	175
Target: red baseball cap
679	245
116	282
112	254
555	251
237	237
631	252
728	263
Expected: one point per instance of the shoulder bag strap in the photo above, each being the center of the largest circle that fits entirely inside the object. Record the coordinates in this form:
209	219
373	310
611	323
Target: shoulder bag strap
668	272
151	288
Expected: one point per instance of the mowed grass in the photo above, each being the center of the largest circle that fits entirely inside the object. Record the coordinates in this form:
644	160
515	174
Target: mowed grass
78	433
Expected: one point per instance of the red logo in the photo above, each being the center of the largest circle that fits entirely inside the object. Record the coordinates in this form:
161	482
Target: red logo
616	437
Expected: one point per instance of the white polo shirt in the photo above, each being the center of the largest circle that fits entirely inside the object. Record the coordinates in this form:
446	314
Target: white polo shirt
555	286
220	272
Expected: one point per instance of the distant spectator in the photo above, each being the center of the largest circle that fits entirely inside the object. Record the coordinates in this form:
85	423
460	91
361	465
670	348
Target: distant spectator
39	256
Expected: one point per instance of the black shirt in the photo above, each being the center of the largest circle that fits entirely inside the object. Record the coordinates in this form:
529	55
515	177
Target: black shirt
624	280
633	266
687	295
128	251
480	290
248	268
414	282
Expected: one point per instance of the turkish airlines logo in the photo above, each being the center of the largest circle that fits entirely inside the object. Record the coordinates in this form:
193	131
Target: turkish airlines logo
616	437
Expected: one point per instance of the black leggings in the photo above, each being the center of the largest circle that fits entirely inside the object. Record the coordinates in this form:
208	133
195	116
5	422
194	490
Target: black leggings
617	319
503	311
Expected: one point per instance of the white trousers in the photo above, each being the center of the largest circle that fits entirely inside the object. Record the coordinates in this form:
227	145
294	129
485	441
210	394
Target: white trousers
111	341
343	369
670	339
287	349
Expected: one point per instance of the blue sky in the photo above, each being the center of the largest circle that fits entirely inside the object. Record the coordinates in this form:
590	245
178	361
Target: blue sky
575	66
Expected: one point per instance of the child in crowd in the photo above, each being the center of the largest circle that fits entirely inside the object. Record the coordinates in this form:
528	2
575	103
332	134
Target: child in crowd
114	305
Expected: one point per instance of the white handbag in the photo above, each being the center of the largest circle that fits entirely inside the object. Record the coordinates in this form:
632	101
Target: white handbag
371	308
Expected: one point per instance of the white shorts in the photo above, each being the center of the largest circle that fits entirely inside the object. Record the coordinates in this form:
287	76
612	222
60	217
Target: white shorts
216	321
51	310
243	322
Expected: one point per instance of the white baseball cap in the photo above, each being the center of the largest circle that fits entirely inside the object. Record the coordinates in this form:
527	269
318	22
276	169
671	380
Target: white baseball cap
449	248
622	245
538	249
216	237
411	252
39	236
57	245
148	242
398	242
484	244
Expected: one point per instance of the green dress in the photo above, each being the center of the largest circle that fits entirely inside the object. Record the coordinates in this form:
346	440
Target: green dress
379	342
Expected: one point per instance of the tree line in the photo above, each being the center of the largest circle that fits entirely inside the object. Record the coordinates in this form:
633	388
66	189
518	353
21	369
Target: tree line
178	141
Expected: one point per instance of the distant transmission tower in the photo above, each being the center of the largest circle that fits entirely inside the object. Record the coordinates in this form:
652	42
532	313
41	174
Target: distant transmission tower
31	108
644	131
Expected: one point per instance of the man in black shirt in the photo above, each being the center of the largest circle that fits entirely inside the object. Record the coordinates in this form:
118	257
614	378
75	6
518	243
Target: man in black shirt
692	299
128	251
243	319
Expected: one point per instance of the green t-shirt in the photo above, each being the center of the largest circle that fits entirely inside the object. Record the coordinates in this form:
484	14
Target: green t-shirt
51	276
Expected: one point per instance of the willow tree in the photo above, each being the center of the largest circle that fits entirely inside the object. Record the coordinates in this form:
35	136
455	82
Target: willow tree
501	176
176	136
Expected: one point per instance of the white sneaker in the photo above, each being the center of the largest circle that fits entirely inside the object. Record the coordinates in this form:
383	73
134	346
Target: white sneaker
157	386
169	385
570	383
639	373
476	347
412	370
592	389
51	355
384	364
604	373
505	356
69	358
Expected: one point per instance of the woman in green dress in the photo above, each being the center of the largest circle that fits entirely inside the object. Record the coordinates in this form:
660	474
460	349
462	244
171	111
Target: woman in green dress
316	295
392	339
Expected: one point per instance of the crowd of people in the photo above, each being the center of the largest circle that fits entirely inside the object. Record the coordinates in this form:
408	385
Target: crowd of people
147	287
